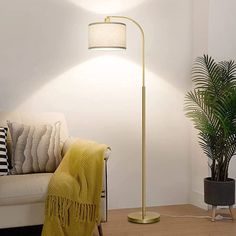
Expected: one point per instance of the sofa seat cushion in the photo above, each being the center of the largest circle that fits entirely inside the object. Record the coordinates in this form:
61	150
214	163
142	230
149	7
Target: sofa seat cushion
23	189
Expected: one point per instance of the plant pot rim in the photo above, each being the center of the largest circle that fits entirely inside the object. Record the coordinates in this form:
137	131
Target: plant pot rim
208	179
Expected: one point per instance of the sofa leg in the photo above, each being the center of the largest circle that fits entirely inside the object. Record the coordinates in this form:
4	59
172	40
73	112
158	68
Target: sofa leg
100	230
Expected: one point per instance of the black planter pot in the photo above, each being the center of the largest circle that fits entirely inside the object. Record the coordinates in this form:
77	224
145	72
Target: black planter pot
219	193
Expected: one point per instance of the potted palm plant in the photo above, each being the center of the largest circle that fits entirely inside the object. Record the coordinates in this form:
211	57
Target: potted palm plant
211	105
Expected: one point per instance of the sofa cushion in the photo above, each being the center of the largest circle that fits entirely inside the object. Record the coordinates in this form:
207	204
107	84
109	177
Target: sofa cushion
4	167
23	189
35	148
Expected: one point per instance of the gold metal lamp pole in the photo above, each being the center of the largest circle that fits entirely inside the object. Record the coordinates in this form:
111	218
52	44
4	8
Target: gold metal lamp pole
112	35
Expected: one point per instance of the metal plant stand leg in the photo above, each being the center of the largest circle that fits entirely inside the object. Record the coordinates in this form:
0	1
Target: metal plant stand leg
100	230
231	212
213	213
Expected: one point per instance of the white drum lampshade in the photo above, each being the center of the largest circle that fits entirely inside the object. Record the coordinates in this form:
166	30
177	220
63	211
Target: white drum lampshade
107	36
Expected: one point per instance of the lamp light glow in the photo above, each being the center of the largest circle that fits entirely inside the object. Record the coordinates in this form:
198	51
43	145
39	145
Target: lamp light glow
107	36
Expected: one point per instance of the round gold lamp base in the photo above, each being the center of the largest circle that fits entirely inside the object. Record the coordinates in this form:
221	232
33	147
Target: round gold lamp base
150	217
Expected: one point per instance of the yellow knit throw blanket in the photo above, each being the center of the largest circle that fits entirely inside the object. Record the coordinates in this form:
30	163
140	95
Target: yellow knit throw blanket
72	204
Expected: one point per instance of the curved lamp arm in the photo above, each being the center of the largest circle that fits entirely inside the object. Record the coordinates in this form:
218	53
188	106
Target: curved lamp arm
108	19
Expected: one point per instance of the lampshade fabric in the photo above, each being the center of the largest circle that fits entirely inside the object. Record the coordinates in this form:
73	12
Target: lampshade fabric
107	36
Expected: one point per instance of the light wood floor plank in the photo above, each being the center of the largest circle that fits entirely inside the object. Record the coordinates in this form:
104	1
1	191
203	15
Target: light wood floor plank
118	225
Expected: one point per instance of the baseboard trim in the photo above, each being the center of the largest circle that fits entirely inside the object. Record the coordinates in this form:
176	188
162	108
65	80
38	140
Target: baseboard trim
197	199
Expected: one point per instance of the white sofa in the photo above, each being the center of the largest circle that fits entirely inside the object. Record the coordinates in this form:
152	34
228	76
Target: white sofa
22	196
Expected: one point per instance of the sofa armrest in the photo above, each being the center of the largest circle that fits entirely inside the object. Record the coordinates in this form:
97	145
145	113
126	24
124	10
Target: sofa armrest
71	140
104	198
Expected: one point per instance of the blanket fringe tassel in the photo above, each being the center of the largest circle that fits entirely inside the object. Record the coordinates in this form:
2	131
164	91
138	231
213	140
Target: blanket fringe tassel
66	209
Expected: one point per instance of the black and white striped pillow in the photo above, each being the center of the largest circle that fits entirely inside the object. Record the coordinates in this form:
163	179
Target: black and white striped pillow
4	168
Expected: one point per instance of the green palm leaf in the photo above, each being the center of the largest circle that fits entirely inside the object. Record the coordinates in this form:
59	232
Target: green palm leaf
212	108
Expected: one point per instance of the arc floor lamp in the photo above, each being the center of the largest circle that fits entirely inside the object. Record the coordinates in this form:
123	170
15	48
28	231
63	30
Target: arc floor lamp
111	35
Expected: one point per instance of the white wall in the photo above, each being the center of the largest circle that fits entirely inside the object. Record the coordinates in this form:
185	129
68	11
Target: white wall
45	65
222	35
199	166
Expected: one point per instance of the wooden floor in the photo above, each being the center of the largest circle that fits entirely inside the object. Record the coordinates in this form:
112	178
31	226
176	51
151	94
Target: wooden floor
170	226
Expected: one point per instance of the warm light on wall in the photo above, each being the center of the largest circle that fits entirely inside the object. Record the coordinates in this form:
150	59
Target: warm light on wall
68	86
82	83
107	6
